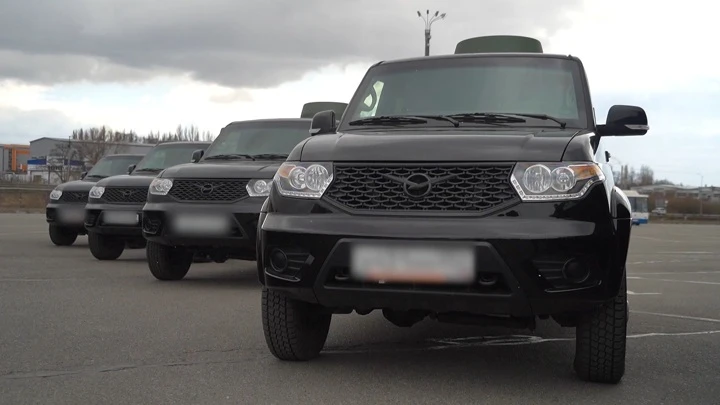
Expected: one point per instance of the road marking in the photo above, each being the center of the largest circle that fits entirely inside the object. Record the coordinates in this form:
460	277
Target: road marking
656	239
20	233
679	273
674	281
647	293
690	318
687	253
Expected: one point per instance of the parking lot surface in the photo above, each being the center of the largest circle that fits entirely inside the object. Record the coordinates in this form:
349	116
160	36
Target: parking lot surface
74	330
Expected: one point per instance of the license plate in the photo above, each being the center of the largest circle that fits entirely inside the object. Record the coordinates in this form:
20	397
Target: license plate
120	218
202	225
71	216
425	264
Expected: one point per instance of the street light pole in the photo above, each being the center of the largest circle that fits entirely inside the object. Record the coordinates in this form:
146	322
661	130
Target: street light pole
428	23
700	193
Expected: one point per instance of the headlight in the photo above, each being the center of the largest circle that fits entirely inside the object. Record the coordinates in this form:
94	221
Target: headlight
554	181
97	191
160	186
55	194
259	187
305	180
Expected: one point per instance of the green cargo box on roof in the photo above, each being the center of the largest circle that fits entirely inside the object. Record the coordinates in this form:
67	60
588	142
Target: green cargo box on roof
499	43
310	109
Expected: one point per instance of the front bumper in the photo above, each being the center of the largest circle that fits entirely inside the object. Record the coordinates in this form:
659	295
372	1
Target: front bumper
99	219
529	258
158	218
66	215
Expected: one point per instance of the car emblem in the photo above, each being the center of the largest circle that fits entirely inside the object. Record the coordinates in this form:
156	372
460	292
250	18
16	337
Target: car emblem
417	185
127	193
206	188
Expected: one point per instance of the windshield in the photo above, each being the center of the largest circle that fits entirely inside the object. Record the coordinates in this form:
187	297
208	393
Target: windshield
164	156
266	138
498	84
112	166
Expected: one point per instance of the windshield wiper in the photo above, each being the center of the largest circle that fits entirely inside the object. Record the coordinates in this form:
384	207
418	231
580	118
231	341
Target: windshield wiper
149	169
229	156
505	117
403	119
96	176
270	156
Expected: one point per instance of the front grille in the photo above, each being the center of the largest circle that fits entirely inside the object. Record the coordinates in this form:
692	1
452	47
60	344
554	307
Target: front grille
127	195
473	188
209	190
74	196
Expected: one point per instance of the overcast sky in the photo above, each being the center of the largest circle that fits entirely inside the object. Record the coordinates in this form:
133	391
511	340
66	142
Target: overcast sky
150	65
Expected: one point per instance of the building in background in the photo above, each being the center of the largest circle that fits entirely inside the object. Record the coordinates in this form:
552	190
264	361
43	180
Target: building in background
14	158
56	160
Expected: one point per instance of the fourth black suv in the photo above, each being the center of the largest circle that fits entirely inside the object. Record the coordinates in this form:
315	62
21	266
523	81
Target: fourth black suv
468	188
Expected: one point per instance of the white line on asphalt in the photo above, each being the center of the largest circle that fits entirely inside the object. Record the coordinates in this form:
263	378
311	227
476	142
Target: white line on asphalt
687	253
674	281
690	318
679	273
20	233
647	293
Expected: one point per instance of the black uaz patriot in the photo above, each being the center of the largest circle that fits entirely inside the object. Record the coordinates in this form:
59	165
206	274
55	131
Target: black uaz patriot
468	188
210	208
66	208
112	214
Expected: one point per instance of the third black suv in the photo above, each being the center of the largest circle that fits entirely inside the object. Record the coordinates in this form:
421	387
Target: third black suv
112	215
210	207
467	188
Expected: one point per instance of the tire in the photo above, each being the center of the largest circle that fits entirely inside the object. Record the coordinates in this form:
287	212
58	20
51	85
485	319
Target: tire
600	340
294	330
105	247
168	263
62	236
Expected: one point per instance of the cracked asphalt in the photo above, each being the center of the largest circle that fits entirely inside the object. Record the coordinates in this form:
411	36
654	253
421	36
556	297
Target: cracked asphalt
77	331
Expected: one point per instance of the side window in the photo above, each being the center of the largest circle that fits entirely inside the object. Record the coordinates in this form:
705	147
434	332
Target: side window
370	104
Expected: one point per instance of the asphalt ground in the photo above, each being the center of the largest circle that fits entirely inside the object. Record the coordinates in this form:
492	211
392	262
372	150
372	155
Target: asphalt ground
77	331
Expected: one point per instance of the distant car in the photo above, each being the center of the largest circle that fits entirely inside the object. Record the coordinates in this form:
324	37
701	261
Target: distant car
659	211
112	215
66	209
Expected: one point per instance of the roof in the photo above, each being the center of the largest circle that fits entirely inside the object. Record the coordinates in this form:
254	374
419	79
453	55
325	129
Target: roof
268	120
475	56
633	193
184	143
90	141
123	155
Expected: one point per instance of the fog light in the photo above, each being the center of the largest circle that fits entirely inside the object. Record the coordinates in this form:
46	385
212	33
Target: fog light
278	260
575	272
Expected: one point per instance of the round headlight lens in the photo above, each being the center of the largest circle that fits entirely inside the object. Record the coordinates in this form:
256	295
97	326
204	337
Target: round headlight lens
316	177
296	178
537	179
563	179
261	187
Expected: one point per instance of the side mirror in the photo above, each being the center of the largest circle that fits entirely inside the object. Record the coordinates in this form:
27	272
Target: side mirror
131	168
82	175
197	155
323	122
624	120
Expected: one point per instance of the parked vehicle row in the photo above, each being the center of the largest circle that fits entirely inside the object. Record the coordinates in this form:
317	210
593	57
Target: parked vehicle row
468	188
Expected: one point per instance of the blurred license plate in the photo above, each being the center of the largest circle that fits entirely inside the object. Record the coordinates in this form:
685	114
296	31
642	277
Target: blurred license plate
430	264
120	218
74	215
202	224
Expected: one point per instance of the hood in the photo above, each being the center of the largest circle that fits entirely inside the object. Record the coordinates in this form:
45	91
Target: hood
463	145
76	185
264	169
125	180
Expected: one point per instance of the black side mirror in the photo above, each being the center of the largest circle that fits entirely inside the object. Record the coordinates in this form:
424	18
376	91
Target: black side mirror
82	175
131	168
624	120
323	122
197	155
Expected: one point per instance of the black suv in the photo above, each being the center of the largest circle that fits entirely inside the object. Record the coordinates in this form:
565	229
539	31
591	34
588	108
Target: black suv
112	214
210	207
66	209
468	188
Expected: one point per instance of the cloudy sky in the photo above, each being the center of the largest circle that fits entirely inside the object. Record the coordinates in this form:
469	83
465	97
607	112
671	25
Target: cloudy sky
151	65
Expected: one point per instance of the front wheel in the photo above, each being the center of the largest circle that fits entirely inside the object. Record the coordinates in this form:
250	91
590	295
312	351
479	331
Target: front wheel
600	340
105	247
62	236
168	263
294	330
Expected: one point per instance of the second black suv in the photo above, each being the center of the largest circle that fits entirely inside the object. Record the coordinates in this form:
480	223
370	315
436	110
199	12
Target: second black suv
66	209
468	188
112	214
210	207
